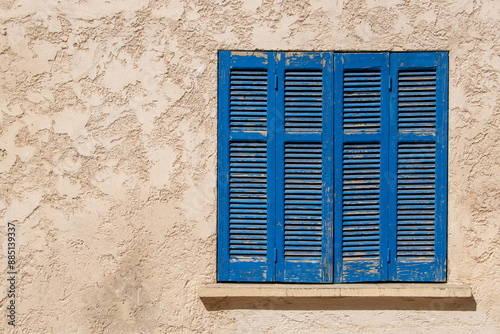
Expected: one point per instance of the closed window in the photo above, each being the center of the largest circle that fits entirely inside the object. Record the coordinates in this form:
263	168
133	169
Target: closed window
332	167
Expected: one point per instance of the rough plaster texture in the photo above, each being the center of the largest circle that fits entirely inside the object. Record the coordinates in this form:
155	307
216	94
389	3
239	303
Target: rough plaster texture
108	113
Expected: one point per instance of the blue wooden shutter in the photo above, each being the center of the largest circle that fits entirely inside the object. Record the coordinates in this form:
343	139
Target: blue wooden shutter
418	155
246	167
304	161
361	165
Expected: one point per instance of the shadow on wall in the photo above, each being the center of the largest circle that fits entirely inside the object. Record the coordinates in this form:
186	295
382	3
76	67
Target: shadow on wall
346	303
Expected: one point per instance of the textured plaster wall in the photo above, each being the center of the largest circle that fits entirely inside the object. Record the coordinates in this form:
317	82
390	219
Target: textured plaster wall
108	122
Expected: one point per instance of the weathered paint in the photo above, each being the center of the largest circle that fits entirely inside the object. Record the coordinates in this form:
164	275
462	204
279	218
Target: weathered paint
282	243
390	221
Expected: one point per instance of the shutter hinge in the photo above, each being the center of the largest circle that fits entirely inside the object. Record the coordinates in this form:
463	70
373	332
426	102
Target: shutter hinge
276	82
275	255
390	83
388	255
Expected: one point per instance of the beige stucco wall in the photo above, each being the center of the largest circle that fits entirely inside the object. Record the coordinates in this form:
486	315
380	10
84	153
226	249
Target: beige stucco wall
108	113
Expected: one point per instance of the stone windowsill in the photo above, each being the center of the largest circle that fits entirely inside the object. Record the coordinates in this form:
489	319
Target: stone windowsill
415	290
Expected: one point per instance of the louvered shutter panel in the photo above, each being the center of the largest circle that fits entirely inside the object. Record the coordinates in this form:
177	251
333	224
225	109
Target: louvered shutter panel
304	155
418	191
361	165
246	167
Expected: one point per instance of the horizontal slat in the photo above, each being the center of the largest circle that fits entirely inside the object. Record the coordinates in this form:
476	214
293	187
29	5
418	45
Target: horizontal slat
361	101
303	200
248	100
416	200
248	199
303	100
417	100
360	199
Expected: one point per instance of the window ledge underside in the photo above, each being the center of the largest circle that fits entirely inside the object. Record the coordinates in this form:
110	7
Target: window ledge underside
411	290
